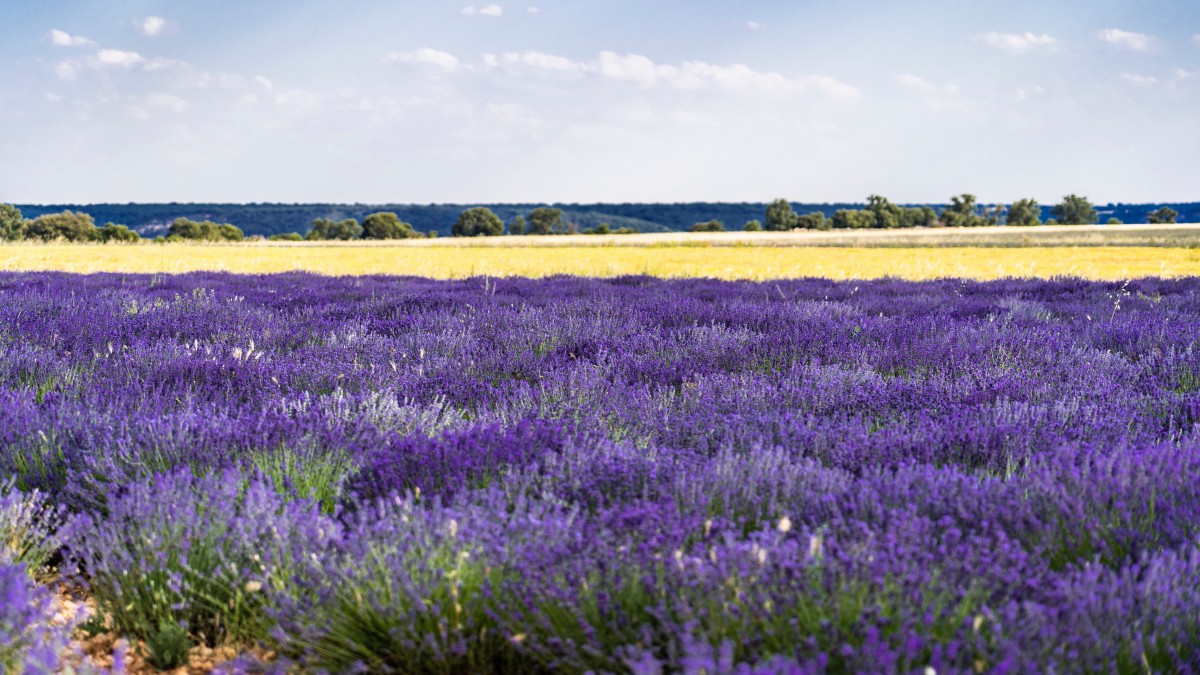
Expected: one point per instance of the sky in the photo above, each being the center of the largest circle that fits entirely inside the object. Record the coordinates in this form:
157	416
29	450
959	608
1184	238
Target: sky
431	101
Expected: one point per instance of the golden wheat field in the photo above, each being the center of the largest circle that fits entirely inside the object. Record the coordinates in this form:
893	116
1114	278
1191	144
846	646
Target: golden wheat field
451	260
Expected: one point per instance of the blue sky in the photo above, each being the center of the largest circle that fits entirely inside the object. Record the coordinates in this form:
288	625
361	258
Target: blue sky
598	100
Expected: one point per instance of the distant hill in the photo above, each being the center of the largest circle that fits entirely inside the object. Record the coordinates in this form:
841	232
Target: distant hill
267	219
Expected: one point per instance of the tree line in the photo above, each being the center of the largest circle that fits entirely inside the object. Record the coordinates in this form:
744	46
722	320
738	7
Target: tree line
878	213
74	226
478	221
68	225
962	211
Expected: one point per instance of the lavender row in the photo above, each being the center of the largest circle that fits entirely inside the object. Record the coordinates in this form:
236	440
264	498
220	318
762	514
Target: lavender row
630	475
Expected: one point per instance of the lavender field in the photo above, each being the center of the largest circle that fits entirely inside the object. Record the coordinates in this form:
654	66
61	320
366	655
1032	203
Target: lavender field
629	475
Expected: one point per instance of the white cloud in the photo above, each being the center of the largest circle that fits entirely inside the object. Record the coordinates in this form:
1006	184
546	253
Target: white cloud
533	10
1121	39
914	82
66	71
1196	39
1016	43
630	68
486	10
264	83
936	97
755	25
151	26
170	102
160	63
688	76
535	60
65	39
443	60
118	57
1140	80
693	75
1181	74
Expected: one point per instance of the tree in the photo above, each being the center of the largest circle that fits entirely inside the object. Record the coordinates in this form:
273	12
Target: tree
478	222
993	215
517	226
752	226
326	229
814	221
386	225
853	219
962	212
918	216
206	230
113	232
66	225
780	216
12	224
1075	210
602	228
347	229
546	220
1164	216
1024	212
713	225
885	214
1113	221
227	232
286	236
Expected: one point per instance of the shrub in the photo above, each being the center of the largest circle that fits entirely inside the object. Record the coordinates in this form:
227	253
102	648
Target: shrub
67	225
118	233
408	588
752	226
31	640
286	236
205	553
31	529
713	225
444	465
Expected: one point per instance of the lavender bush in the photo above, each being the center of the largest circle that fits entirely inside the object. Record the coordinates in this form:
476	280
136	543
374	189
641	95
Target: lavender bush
31	641
32	530
196	555
627	475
